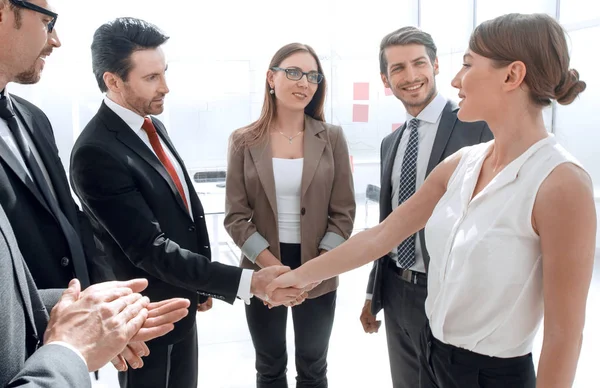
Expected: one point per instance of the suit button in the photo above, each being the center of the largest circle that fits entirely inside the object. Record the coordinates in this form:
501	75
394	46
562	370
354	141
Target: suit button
64	261
192	228
303	211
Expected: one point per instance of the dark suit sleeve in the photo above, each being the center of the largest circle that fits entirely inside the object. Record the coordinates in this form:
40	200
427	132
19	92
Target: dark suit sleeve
108	190
99	268
52	366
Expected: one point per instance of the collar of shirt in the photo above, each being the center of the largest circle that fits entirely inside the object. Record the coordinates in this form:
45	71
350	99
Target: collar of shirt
432	112
132	119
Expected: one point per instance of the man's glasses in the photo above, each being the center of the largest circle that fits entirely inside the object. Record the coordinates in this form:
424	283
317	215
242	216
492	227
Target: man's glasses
37	8
295	74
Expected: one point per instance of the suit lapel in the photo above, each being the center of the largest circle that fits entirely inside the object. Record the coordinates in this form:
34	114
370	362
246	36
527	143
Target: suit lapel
13	163
126	136
162	132
50	161
20	274
263	162
314	145
442	136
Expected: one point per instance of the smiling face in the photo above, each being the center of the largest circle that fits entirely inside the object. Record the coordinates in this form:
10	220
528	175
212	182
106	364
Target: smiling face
411	76
294	95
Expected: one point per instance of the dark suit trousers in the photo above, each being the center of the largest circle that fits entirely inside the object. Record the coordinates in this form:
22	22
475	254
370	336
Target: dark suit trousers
167	366
404	311
446	366
313	321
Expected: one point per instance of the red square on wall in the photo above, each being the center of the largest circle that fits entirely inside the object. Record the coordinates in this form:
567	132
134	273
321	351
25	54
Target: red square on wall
361	91
360	113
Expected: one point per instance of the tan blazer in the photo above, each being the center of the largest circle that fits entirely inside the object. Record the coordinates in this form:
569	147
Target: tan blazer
327	201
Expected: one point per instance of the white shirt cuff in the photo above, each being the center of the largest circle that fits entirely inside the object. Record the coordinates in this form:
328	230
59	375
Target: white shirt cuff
369	297
71	347
244	288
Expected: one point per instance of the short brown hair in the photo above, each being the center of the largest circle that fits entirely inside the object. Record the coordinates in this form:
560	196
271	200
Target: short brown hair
539	42
403	37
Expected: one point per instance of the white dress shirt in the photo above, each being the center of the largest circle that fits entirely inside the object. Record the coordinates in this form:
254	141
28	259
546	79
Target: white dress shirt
484	286
9	139
135	121
429	120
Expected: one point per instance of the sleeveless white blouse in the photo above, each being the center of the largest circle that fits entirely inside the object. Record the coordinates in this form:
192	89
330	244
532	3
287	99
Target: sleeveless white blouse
485	274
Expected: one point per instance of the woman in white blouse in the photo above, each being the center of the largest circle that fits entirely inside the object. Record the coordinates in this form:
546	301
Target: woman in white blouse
510	224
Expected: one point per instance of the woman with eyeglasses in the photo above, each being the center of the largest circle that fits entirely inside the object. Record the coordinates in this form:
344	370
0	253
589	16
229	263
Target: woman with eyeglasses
289	198
510	224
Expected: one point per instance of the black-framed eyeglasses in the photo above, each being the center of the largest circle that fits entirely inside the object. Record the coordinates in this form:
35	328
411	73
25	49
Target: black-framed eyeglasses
295	74
37	8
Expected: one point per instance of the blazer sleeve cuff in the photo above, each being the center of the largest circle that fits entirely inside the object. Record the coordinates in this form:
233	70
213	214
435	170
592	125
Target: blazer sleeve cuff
253	246
330	241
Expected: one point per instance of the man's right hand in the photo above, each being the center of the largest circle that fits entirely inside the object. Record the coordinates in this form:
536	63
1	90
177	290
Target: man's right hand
100	321
369	321
261	279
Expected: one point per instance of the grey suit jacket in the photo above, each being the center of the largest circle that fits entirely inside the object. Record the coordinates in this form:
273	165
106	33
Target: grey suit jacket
452	135
24	320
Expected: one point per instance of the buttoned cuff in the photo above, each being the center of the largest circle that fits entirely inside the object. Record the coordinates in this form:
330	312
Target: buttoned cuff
70	347
330	241
245	285
253	246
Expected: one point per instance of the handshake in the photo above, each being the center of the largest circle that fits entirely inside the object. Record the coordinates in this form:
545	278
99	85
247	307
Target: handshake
279	285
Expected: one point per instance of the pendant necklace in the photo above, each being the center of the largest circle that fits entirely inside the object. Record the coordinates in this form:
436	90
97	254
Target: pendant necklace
290	138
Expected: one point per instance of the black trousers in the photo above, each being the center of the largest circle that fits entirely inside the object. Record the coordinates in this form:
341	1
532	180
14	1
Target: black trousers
404	313
447	366
167	366
313	321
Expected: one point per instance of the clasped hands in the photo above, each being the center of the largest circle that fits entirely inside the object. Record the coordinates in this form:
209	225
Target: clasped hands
270	285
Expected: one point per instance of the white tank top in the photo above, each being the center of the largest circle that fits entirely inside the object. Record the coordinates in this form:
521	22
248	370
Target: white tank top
288	183
485	273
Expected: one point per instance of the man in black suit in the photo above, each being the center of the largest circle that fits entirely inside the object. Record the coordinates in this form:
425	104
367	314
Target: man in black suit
141	201
54	235
86	329
398	281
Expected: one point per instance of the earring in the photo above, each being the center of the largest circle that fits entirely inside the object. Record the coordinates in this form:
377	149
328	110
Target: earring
272	91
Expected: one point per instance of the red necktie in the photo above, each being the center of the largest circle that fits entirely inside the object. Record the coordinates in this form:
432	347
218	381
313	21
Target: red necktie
162	156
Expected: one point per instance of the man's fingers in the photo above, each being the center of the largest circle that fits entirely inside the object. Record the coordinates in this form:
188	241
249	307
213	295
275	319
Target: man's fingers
135	285
133	316
151	333
172	304
170	317
118	305
166	306
132	359
139	348
119	363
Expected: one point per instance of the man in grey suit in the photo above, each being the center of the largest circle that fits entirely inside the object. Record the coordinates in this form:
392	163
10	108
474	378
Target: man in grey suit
85	330
398	281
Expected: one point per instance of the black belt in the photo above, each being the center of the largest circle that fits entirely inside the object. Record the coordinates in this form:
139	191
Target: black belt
409	276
